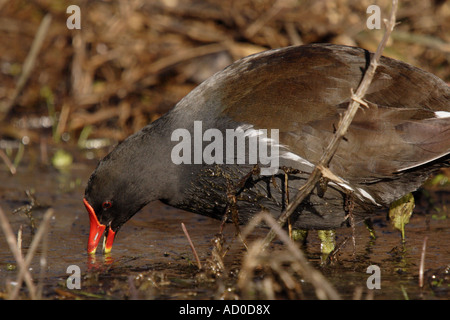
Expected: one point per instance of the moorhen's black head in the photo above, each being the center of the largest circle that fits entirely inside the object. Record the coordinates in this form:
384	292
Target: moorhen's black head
389	150
117	188
113	194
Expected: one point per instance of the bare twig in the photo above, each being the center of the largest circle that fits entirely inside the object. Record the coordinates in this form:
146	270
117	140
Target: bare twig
342	129
192	245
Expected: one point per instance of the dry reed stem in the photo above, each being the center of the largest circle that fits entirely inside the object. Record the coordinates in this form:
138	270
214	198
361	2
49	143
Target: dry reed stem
29	63
192	246
324	290
24	274
40	234
422	262
8	162
12	243
342	128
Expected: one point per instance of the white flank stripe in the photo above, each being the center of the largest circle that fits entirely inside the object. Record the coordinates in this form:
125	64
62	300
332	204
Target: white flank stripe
367	195
345	186
294	157
361	193
442	114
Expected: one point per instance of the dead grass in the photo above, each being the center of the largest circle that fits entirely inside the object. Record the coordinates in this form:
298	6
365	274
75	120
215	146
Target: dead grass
133	60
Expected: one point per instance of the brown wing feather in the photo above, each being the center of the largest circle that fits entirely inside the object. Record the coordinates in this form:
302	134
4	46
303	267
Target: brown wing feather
306	88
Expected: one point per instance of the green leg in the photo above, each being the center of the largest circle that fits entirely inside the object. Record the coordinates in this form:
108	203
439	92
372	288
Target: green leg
327	239
369	226
400	211
299	235
328	242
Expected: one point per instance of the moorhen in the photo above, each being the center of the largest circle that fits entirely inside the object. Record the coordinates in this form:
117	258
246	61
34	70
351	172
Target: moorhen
213	150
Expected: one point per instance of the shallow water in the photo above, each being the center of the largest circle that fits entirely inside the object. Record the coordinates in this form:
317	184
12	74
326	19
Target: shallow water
151	257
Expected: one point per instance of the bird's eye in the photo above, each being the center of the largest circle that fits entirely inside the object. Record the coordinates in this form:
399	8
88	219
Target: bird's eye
107	204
